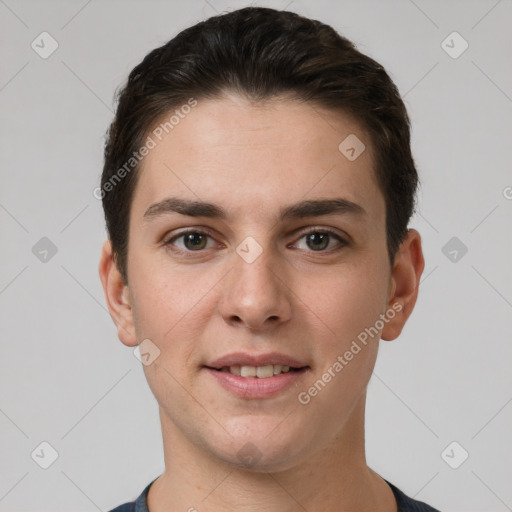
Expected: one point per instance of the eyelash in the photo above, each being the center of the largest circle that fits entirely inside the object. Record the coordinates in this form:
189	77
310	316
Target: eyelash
313	230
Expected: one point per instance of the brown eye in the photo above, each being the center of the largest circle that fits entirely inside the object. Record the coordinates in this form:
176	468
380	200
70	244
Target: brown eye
194	241
320	241
317	241
190	241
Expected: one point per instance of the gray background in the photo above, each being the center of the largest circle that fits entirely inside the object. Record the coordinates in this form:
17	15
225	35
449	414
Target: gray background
65	377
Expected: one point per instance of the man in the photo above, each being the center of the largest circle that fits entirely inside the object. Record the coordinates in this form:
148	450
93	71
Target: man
257	188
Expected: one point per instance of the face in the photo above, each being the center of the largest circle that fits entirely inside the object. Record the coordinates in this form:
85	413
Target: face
254	242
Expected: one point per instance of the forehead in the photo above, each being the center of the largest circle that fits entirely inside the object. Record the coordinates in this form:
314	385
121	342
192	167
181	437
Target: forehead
258	156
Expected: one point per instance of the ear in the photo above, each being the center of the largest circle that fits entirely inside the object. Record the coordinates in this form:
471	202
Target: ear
117	295
405	279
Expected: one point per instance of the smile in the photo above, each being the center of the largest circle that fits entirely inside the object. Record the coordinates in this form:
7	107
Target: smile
261	372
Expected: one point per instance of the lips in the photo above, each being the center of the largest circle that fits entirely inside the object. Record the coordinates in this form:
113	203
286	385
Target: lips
254	387
256	376
252	360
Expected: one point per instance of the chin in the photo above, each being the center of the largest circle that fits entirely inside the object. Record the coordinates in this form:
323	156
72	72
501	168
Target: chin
257	459
258	444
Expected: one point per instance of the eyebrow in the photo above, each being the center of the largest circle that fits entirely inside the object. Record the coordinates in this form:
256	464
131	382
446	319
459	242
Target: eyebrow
303	209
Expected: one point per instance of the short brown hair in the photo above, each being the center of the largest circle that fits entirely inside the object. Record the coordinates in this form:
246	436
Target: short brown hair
260	53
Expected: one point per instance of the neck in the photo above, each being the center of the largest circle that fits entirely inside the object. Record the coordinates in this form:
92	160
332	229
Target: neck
332	479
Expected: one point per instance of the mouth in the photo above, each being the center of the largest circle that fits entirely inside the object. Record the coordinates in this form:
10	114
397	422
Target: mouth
259	372
256	382
256	376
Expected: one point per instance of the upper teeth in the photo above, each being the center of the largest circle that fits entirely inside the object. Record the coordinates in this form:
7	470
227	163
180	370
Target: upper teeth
261	372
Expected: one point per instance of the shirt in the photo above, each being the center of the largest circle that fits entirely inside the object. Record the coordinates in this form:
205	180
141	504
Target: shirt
405	504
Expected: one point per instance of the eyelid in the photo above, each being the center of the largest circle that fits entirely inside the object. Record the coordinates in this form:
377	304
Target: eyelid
185	231
323	229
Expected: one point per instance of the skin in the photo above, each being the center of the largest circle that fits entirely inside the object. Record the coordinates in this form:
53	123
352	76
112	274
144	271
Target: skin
252	160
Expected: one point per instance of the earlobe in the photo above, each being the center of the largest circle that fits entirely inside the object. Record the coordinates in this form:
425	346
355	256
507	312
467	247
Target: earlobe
117	295
405	278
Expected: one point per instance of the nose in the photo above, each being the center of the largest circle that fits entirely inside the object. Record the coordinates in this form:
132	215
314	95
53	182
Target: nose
256	295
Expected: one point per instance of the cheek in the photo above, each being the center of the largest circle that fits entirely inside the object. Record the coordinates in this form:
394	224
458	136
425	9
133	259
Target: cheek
172	307
347	299
165	298
350	303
